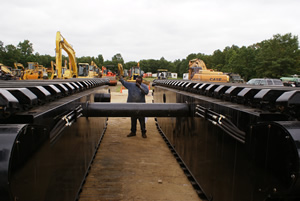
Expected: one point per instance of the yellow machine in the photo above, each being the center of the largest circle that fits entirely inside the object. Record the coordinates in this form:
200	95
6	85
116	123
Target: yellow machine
52	71
199	72
120	69
83	70
133	73
61	43
42	71
18	71
31	72
5	72
96	69
86	70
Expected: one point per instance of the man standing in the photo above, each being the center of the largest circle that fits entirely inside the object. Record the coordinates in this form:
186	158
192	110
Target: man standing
136	94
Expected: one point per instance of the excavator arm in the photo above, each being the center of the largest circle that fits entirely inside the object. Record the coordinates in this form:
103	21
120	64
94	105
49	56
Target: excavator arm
61	43
120	68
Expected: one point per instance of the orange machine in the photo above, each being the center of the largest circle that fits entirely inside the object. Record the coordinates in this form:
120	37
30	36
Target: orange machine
110	75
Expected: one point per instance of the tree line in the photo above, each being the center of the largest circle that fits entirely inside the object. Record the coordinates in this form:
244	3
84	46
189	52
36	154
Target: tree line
273	58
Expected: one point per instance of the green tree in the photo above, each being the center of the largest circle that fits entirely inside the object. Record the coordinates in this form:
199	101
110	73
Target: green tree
277	57
2	51
218	60
26	51
99	60
11	55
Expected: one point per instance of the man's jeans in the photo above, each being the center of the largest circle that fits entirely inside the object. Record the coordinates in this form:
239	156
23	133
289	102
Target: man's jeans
142	124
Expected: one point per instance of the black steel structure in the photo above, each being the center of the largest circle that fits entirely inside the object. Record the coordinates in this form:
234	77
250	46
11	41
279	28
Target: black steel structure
45	147
234	142
241	142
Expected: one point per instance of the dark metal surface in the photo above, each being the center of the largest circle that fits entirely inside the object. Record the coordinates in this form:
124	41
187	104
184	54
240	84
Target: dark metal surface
242	144
46	148
136	110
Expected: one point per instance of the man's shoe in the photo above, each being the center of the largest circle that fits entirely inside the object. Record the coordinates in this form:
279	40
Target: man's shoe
131	134
144	135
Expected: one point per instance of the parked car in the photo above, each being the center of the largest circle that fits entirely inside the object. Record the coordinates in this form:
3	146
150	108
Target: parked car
265	82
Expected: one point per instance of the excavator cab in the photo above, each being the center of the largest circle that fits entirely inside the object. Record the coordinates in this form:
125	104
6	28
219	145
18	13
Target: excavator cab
162	74
83	69
134	72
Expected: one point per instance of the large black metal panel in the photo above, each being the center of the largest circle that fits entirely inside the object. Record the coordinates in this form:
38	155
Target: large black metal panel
56	170
46	151
261	165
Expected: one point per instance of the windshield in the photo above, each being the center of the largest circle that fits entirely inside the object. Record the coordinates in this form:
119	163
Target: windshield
136	70
83	70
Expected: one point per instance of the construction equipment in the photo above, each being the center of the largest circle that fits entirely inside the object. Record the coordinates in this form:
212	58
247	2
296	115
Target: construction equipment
133	73
120	69
83	70
52	72
162	74
43	74
107	73
86	70
5	72
61	43
235	78
96	70
18	71
199	72
31	72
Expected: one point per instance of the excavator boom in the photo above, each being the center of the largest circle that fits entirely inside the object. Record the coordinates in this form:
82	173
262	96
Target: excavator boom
61	43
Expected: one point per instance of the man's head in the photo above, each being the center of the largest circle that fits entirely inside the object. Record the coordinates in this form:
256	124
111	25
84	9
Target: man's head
139	79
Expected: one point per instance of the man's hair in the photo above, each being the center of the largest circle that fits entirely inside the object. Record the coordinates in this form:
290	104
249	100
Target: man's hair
140	77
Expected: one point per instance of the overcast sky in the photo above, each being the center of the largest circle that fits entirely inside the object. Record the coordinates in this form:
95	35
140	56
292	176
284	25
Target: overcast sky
146	29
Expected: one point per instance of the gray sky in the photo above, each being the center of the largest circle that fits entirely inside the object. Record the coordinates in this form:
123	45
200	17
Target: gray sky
146	29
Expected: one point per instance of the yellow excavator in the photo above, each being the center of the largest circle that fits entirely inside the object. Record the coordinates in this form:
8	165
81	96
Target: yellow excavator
133	73
199	72
96	70
52	71
120	69
19	70
5	72
70	72
34	71
86	70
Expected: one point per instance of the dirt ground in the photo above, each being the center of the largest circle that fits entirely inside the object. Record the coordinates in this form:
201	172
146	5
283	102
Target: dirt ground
135	168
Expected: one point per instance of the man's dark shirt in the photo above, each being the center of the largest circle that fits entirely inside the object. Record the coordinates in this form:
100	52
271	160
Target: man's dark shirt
135	94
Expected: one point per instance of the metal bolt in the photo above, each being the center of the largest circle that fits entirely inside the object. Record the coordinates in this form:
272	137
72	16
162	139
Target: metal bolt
287	137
